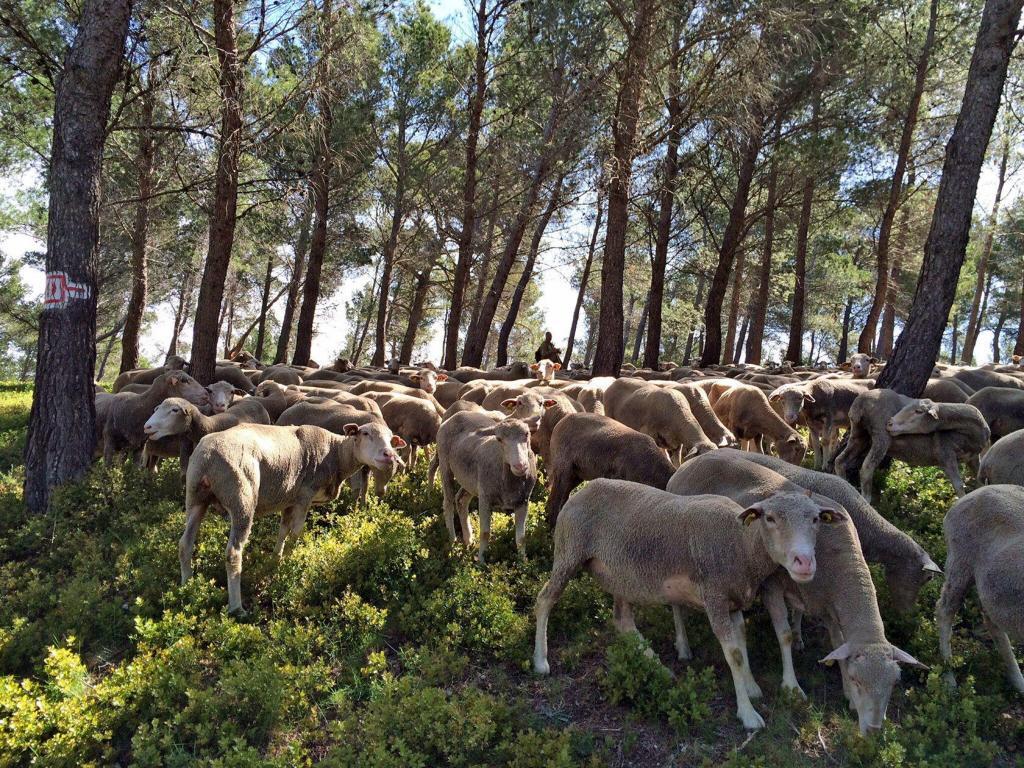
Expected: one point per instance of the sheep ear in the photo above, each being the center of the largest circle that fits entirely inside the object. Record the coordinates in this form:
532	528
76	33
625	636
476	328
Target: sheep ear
903	657
414	376
933	412
239	392
442	377
534	367
509	404
775	396
930	566
350	429
558	366
845	366
549	402
831	515
397	442
751	513
839	654
873	360
808	398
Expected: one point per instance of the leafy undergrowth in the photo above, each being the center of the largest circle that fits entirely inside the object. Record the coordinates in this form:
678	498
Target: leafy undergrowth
376	643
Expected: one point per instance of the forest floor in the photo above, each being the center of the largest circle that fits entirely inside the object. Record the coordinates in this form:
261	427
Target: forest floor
376	643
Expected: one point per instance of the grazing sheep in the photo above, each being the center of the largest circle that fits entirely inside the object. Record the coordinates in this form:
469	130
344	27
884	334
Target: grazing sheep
366	387
414	420
906	565
276	398
700	405
823	406
587	446
1003	463
491	461
1002	409
870	441
985	539
556	408
946	391
746	411
176	416
282	374
528	404
255	469
447	392
842	593
978	378
664	414
125	414
644	545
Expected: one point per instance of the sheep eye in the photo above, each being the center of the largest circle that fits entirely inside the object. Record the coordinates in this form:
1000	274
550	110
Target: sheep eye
770	518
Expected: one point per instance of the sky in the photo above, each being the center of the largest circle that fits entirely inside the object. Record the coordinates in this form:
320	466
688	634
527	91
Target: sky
557	295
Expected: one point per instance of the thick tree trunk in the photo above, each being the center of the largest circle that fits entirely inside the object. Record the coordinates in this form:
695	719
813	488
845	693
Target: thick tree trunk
584	280
759	308
261	326
317	251
483	272
867	336
734	304
731	241
670	171
527	275
419	303
977	312
887	330
225	195
632	80
294	284
794	351
917	347
465	258
61	427
140	235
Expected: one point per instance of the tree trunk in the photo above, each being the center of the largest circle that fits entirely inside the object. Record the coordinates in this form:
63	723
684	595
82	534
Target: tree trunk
225	195
527	275
389	251
188	288
640	328
917	347
287	320
230	314
867	337
140	234
632	80
261	328
955	326
977	313
887	332
584	279
317	251
465	258
698	299
360	338
484	268
996	336
794	352
734	304
759	309
61	427
670	171
419	302
844	342
744	327
731	241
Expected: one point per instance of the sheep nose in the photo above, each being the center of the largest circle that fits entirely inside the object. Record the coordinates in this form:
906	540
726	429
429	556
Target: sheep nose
803	565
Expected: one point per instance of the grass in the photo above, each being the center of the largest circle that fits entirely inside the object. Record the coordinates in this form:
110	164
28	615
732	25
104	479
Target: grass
378	644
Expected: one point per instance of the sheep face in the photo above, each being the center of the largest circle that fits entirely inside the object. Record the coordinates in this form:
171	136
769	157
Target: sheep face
171	417
872	670
792	449
220	393
789	524
514	438
917	418
175	362
527	407
427	380
375	445
905	580
789	401
545	370
860	365
180	384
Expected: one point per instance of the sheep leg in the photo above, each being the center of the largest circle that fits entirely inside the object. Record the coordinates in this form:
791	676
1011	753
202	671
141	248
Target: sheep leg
836	636
815	440
735	656
283	530
954	590
412	456
798	629
775	602
432	469
187	543
622	615
753	689
484	511
241	526
449	492
462	500
562	483
561	573
1005	648
951	467
360	484
682	641
879	447
380	480
520	518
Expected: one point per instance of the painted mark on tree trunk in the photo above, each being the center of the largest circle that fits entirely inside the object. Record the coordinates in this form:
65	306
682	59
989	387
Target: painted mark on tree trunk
60	290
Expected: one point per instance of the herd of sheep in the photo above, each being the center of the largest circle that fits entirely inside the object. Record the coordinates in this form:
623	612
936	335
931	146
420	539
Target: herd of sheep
674	513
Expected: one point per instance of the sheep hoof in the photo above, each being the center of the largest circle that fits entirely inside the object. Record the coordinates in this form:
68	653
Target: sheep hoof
238	613
949	679
684	654
794	688
541	667
752	721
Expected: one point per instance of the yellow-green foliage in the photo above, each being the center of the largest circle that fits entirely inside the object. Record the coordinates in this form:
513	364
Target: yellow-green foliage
376	643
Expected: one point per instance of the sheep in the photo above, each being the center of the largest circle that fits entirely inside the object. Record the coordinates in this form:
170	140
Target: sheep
527	403
148	375
221	394
447	392
860	365
586	446
125	414
545	370
1003	463
906	565
511	372
234	375
254	469
842	593
746	411
556	408
644	545
176	416
590	394
365	387
977	379
282	374
985	538
946	391
276	398
823	406
492	461
870	440
665	415
700	405
414	420
1002	408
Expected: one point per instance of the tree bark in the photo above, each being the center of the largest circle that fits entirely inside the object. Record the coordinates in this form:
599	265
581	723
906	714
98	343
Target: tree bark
867	337
997	334
977	312
419	302
225	195
632	79
697	300
640	328
887	332
744	327
188	288
61	427
389	251
584	279
261	327
140	234
731	240
844	342
294	284
759	309
794	351
527	275
465	258
483	272
917	347
734	304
